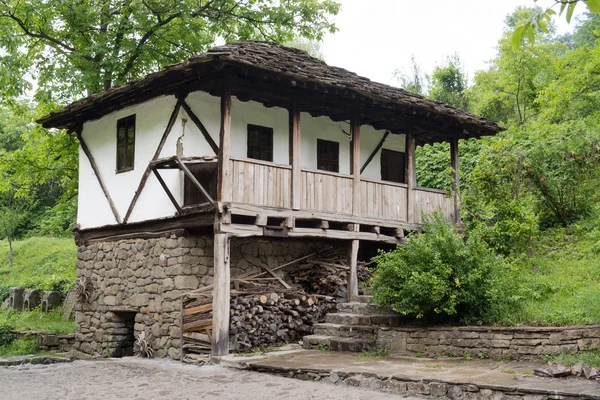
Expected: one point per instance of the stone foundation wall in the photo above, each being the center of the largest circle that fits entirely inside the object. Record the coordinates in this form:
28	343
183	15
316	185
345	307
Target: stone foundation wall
513	343
148	276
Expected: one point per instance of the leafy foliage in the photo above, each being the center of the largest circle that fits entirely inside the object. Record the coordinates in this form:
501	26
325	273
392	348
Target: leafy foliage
72	47
437	276
38	321
6	337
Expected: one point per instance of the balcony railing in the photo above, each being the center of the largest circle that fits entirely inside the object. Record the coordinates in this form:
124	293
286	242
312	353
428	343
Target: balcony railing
263	183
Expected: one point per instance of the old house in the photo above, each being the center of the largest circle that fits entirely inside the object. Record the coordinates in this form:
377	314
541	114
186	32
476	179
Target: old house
251	153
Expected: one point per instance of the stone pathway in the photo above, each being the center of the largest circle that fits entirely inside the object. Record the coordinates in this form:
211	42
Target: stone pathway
446	378
137	378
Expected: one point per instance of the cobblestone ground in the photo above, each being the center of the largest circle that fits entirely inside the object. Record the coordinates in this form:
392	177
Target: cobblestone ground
136	378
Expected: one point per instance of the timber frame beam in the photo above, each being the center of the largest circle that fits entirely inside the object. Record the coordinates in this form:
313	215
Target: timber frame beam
96	170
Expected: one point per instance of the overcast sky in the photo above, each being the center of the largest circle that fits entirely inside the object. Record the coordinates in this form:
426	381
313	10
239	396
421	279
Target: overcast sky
377	36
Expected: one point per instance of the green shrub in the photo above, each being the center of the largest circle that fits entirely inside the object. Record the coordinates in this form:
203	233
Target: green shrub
4	292
6	337
438	276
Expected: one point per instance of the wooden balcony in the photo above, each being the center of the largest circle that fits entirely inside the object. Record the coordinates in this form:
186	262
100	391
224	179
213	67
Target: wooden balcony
324	194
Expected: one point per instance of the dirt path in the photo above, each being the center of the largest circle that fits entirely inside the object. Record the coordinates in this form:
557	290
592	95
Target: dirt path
135	378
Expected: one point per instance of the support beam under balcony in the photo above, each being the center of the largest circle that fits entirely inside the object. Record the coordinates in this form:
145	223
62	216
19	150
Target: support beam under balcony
221	299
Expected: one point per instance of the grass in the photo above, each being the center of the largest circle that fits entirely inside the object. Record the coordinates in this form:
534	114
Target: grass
377	354
20	347
37	321
560	278
590	358
43	263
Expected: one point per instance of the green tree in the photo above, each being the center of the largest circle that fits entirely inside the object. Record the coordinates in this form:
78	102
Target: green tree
540	20
449	83
11	216
72	47
414	80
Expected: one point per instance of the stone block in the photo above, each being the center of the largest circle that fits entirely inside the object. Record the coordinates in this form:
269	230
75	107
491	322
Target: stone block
438	389
500	343
31	299
417	388
186	282
15	298
48	340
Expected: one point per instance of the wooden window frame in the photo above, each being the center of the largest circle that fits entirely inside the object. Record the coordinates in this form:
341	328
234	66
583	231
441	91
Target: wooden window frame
126	122
324	161
401	166
261	150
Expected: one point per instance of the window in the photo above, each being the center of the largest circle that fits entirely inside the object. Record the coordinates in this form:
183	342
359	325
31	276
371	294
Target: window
392	166
125	143
328	155
260	142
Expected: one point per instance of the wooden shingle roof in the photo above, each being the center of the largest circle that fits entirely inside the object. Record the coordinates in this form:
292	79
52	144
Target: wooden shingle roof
272	74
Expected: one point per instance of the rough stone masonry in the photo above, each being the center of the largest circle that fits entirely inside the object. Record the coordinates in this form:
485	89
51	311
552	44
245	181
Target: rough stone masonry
145	278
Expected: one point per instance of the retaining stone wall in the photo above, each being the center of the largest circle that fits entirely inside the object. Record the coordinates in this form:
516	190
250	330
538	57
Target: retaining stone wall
148	276
513	343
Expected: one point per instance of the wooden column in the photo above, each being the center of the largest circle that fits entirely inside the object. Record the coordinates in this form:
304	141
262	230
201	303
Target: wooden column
411	178
221	293
224	192
353	261
355	171
455	178
295	155
355	163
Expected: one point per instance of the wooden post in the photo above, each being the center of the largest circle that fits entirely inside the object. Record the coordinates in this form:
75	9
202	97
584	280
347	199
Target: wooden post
224	178
355	163
455	178
353	261
221	293
295	152
411	175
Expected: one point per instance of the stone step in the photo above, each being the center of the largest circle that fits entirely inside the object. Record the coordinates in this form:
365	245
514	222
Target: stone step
363	308
363	299
336	343
360	319
311	341
352	331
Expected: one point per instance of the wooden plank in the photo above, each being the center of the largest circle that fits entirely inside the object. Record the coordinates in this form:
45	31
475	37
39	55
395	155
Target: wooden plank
98	176
146	174
167	190
200	325
454	160
221	296
353	262
198	309
181	350
270	271
355	163
375	151
224	175
200	126
295	149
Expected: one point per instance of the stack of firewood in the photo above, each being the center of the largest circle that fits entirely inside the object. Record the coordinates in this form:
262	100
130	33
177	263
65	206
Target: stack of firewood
261	319
327	273
197	323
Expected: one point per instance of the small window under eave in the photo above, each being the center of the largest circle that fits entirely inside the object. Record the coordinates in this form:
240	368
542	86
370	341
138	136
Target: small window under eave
125	143
260	142
328	155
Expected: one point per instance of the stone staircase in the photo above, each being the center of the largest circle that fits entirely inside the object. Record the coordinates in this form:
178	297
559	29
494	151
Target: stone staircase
352	328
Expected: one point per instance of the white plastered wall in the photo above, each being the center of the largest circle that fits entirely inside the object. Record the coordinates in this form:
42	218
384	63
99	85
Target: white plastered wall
151	121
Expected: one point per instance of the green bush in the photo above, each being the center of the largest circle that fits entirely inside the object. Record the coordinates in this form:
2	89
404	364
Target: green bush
4	292
6	337
438	276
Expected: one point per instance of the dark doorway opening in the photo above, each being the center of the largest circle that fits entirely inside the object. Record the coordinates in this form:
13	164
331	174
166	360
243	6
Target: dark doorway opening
120	335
